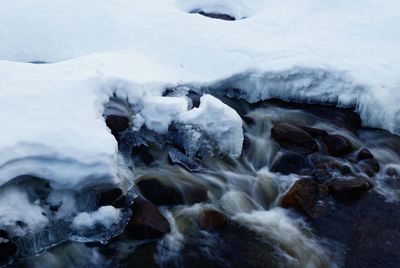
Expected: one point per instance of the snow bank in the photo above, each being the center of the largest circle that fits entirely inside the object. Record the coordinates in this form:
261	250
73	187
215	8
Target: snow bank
343	53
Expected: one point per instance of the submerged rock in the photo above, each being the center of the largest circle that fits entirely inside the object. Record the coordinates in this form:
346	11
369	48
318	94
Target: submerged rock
349	189
290	163
146	222
212	219
293	139
338	145
161	194
308	197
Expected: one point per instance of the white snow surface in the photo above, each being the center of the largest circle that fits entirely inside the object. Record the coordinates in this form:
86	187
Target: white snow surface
340	52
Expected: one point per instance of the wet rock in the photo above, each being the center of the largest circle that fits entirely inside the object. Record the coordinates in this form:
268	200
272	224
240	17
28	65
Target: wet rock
113	197
370	167
369	231
315	132
349	190
364	154
217	16
194	194
291	163
338	145
142	153
308	197
146	222
117	123
293	139
164	195
7	248
195	98
212	219
159	193
177	157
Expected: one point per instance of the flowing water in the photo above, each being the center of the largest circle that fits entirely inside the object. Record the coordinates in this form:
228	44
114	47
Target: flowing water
260	233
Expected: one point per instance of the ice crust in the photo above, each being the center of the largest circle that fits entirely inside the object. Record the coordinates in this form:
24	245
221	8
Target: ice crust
344	53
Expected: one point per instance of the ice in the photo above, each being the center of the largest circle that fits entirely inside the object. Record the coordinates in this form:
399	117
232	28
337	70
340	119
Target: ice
106	216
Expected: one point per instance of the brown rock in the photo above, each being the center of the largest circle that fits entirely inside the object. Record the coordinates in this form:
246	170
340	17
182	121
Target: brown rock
117	123
290	163
146	222
338	145
308	197
364	154
293	139
212	219
349	189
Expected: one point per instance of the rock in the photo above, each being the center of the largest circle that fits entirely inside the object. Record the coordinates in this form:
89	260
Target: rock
117	123
142	153
159	193
7	248
195	99
217	16
364	154
165	195
349	189
308	197
338	145
194	194
177	157
290	163
146	222
370	167
113	197
293	139
315	132
212	219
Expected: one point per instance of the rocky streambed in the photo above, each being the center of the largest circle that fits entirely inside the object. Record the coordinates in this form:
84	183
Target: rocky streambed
312	188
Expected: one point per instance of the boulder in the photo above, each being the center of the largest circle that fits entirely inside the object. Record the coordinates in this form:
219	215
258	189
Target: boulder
364	154
291	163
146	222
307	197
212	219
338	145
293	139
349	189
315	132
117	123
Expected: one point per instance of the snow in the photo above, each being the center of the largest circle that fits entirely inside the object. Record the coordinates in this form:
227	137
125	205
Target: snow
15	206
105	216
343	53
